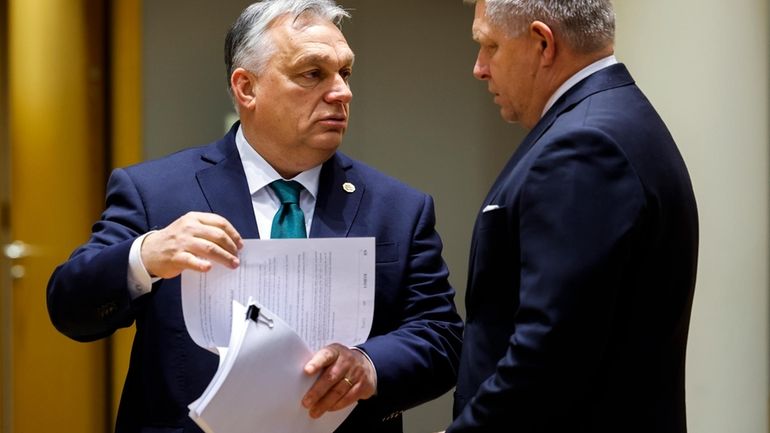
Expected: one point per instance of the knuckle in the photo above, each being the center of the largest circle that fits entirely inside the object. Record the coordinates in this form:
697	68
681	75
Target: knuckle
329	376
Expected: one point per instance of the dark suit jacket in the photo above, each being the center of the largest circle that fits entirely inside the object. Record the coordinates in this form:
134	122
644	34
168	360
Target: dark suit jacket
581	283
416	333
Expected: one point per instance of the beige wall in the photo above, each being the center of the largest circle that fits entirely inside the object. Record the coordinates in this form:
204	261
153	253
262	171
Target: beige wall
704	64
418	114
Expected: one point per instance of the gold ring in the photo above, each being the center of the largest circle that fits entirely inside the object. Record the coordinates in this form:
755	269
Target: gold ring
347	381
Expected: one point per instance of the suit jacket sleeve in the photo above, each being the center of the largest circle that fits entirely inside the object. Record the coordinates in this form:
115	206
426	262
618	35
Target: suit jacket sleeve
417	360
577	213
88	296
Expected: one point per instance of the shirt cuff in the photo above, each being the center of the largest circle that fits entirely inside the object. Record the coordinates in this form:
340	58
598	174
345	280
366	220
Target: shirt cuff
374	369
139	280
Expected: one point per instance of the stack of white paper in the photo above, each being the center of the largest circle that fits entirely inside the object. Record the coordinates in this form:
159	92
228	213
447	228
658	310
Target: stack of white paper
260	383
326	288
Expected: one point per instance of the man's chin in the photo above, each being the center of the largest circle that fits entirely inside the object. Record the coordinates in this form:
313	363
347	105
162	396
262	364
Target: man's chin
508	116
329	140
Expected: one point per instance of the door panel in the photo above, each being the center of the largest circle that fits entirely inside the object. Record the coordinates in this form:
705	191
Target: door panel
56	112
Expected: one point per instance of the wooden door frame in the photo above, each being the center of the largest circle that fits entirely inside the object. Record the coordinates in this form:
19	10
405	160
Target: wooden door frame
6	368
125	113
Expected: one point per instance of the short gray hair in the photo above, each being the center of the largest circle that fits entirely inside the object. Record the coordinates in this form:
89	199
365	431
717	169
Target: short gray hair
248	45
586	25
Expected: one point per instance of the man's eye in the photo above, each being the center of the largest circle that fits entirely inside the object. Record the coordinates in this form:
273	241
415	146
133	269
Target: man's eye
311	75
345	74
488	50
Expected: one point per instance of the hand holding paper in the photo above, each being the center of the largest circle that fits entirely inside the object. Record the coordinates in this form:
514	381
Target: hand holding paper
194	241
346	376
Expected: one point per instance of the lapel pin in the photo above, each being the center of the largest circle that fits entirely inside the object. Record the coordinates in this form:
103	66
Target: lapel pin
349	187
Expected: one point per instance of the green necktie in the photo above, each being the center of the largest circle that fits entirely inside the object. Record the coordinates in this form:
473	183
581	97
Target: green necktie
289	221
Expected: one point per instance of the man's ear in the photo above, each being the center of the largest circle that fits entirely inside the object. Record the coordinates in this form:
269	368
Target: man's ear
543	35
244	86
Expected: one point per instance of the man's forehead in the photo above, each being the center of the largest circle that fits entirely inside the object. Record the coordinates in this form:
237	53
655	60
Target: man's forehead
480	29
315	39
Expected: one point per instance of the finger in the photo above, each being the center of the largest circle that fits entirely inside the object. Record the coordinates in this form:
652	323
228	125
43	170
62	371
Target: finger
336	394
218	236
232	235
342	363
357	390
191	261
330	375
324	357
208	250
351	397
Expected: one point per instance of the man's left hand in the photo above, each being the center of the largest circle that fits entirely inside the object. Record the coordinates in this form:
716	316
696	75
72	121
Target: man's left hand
346	377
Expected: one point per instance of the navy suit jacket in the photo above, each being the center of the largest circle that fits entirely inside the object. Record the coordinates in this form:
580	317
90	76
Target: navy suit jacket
582	274
416	333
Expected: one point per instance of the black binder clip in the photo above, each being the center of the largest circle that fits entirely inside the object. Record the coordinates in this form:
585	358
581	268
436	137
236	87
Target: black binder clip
253	313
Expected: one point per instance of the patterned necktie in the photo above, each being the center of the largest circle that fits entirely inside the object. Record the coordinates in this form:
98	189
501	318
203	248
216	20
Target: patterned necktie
289	221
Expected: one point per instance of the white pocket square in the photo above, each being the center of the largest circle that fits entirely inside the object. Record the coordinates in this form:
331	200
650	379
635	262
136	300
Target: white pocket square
490	207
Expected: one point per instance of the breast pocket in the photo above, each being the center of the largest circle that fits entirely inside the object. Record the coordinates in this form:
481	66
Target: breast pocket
386	252
494	219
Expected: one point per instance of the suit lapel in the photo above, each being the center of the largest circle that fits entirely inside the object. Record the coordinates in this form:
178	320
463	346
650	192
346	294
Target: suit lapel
336	208
225	187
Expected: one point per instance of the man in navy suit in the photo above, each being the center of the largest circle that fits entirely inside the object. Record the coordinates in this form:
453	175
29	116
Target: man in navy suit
288	66
583	259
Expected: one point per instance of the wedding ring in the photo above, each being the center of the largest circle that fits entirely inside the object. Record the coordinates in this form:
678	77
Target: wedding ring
347	381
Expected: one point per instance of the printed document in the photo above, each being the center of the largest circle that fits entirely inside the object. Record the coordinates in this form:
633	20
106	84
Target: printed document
323	288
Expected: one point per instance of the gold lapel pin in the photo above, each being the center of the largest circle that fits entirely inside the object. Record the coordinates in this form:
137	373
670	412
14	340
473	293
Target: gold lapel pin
349	187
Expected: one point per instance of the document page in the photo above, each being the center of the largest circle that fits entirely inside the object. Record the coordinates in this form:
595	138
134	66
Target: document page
323	288
259	386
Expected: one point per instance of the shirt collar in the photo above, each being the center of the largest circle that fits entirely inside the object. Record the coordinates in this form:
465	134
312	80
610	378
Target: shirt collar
259	173
579	76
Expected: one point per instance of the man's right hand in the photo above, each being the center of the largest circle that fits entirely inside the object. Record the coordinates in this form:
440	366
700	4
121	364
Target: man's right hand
193	241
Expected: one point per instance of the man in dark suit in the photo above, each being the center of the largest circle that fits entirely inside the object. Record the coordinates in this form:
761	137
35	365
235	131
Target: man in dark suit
288	68
583	259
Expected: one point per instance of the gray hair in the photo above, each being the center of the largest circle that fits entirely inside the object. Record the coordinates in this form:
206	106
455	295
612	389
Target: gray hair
248	45
586	25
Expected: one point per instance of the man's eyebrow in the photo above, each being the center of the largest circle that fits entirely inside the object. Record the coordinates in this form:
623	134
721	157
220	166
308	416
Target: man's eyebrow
315	59
476	33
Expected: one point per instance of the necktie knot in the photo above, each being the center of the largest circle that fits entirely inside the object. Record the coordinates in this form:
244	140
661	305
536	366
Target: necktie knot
287	191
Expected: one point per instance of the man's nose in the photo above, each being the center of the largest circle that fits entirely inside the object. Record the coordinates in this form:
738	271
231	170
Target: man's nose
480	70
340	92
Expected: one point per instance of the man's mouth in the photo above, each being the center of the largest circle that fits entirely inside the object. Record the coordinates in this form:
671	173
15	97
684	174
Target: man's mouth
334	121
